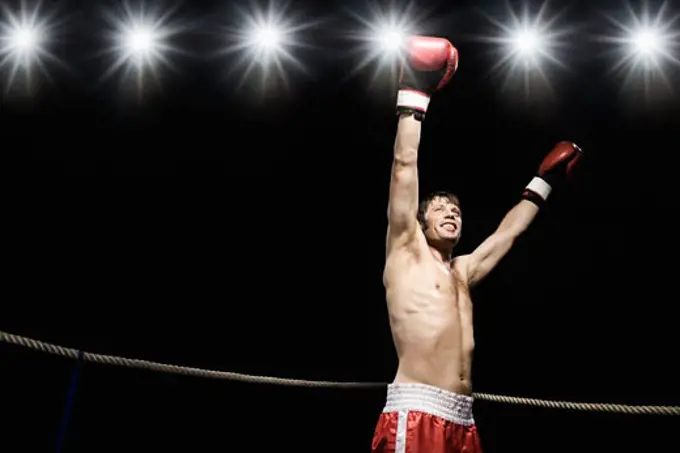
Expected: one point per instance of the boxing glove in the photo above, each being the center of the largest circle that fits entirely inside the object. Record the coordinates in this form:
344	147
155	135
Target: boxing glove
556	168
429	63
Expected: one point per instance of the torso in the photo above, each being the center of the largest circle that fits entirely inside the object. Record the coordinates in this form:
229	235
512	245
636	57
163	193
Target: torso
430	313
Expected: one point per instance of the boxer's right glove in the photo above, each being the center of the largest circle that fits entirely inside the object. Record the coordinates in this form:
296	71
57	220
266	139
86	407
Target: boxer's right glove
556	168
429	64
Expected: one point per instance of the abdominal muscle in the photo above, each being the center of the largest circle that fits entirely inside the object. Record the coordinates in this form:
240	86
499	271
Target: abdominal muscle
431	320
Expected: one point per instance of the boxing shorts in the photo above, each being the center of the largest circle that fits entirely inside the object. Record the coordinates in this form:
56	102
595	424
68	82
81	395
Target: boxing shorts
420	418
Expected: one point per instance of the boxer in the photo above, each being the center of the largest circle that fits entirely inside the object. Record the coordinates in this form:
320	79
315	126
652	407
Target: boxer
429	403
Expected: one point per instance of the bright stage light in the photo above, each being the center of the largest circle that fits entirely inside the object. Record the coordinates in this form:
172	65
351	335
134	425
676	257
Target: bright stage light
384	39
24	42
380	36
24	39
389	38
140	43
528	45
649	45
527	42
646	45
647	42
265	37
265	40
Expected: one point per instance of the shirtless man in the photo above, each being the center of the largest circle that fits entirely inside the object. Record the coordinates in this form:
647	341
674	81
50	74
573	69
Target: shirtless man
429	404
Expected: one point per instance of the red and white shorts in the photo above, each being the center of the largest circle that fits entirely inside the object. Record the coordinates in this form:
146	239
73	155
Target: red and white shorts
420	418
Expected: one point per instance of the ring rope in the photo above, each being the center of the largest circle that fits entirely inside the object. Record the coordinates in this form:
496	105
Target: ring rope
200	372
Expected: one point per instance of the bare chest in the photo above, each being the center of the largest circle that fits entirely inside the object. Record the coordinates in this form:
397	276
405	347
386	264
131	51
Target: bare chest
429	286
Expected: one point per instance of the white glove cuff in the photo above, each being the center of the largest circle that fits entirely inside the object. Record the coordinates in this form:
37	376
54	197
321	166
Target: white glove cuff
539	187
413	100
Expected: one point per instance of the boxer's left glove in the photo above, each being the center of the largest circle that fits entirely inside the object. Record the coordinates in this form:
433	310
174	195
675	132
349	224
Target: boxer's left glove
429	64
555	169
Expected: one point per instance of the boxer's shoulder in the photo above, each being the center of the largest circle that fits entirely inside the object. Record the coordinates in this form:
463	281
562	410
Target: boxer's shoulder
460	262
460	265
406	255
411	246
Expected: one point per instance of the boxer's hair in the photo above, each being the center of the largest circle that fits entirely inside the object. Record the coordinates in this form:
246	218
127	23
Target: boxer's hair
425	203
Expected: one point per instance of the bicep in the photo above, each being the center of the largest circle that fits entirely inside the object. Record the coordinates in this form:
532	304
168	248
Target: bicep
485	257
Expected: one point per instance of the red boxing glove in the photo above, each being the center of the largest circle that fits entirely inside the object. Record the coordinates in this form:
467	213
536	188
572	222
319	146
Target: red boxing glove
428	66
556	167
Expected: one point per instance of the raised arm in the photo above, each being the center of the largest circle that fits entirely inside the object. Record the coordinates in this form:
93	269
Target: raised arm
429	64
489	253
403	203
556	167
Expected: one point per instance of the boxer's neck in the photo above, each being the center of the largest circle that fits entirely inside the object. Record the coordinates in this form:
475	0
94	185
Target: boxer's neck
442	253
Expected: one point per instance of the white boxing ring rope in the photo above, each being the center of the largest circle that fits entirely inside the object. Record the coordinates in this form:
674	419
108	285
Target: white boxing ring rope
199	372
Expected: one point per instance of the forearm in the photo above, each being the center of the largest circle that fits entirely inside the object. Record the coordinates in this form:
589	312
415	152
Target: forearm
407	141
518	219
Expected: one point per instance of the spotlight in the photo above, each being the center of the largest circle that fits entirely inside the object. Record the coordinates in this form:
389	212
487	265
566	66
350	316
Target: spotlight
140	43
25	37
265	39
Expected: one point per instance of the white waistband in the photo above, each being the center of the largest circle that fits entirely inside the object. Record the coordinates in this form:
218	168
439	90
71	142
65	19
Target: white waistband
454	407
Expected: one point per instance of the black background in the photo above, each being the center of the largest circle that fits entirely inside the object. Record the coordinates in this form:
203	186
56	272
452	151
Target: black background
232	228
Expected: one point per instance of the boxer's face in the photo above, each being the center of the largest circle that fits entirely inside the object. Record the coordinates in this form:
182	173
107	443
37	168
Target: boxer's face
443	220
